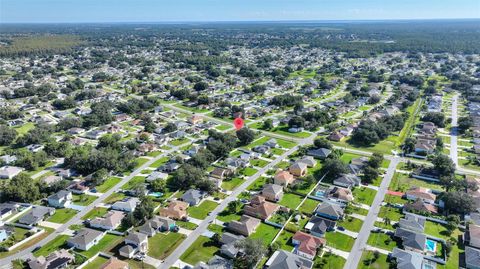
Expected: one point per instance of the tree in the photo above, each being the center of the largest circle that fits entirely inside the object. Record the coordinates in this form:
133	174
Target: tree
145	209
245	135
253	250
200	86
464	123
128	221
458	202
437	118
452	223
158	185
375	160
268	124
334	167
99	176
233	206
443	164
170	127
21	188
297	122
322	143
7	135
370	174
409	145
186	177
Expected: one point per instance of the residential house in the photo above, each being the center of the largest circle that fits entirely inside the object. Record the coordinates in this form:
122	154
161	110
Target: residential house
110	221
114	263
216	262
307	245
157	224
318	226
8	172
412	222
282	259
339	194
58	259
411	240
220	172
49	180
228	241
176	210
408	259
298	169
472	236
283	178
7	209
126	205
79	187
260	208
272	192
193	197
85	238
423	194
271	143
156	175
60	199
309	161
245	226
347	181
335	136
36	215
420	206
134	242
320	153
195	119
472	258
329	210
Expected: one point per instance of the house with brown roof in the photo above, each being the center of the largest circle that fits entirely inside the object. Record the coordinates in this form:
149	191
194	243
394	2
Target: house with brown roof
298	169
421	206
245	226
423	194
114	263
307	244
272	192
339	193
283	178
220	172
195	119
335	136
260	208
176	210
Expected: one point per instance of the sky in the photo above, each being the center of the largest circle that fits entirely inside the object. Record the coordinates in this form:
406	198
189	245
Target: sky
70	11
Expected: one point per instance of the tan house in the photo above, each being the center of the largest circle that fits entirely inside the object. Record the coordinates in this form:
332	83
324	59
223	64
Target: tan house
283	178
260	208
272	192
176	210
298	169
114	263
340	193
110	221
195	119
245	226
423	194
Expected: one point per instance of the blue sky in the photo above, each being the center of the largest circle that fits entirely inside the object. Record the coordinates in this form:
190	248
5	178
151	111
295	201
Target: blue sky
41	11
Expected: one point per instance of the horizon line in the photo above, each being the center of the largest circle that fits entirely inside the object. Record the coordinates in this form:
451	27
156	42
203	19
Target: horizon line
247	21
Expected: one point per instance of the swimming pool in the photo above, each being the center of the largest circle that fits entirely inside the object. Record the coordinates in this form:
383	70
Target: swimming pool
319	193
431	245
156	194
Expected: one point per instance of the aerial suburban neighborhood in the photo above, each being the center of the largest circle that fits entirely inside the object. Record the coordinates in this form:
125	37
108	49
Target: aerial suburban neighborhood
289	146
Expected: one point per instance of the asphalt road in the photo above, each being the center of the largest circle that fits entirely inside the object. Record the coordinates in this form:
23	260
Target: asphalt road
454	131
77	219
170	260
368	224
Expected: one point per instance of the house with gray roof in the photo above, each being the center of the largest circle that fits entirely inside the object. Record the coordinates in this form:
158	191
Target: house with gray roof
320	153
157	224
228	241
36	215
85	238
282	259
347	181
8	172
216	262
472	258
411	240
412	222
60	199
329	210
193	197
126	205
318	226
407	259
272	192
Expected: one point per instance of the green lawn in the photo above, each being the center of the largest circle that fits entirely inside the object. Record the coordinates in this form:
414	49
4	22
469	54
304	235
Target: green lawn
277	151
222	127
265	232
364	195
258	142
225	216
232	183
381	240
53	245
114	197
201	211
83	199
259	163
285	239
309	206
436	229
160	162
329	261
161	245
108	184
178	142
257	185
62	215
351	224
96	263
368	262
339	241
402	182
108	242
133	182
394	214
286	144
284	131
216	228
96	212
186	225
248	171
291	200
202	249
140	161
347	157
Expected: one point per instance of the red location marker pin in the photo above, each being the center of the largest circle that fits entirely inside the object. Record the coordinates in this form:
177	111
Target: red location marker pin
238	123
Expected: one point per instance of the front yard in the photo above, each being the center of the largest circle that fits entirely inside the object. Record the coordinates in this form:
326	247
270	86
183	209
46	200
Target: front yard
202	250
62	215
202	210
161	245
339	241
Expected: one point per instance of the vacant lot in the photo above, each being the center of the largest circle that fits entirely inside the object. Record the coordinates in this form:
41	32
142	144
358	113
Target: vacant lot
201	211
201	250
161	245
